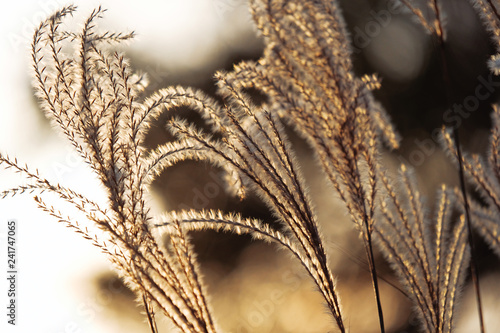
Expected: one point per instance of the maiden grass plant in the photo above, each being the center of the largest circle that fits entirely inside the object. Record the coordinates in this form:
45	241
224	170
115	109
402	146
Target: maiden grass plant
306	71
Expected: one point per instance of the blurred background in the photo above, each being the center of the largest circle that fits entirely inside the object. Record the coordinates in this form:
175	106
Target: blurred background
66	285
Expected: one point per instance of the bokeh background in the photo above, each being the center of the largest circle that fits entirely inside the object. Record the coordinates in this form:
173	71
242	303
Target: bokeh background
66	285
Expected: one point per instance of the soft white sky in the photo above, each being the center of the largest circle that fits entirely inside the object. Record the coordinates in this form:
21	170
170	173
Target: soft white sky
54	264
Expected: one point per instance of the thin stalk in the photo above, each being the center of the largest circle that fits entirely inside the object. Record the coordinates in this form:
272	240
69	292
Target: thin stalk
473	264
371	259
150	313
446	79
373	272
